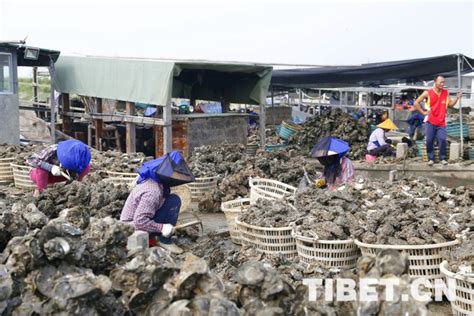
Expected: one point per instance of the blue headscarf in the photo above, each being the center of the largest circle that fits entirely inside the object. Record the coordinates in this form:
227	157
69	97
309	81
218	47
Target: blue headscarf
169	170
330	150
74	155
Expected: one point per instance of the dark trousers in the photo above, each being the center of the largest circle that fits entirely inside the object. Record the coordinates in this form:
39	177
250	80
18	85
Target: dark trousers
168	214
384	150
438	132
412	128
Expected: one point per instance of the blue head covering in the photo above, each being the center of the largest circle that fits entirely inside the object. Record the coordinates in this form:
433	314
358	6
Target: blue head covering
329	151
169	170
74	155
328	146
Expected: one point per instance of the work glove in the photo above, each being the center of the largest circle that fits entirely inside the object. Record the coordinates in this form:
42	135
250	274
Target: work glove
167	230
56	171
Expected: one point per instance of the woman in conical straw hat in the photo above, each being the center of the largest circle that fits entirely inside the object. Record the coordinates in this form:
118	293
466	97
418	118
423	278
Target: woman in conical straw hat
379	145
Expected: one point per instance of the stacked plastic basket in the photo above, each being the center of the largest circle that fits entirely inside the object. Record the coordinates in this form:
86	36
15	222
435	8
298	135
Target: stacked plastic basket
201	186
423	260
6	171
463	303
118	178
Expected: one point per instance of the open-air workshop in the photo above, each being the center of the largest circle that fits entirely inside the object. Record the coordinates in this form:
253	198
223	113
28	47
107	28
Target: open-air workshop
153	186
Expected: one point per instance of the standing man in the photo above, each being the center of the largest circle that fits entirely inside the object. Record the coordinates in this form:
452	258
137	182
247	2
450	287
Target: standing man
437	102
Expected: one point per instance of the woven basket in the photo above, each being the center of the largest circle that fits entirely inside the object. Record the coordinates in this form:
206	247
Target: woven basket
118	178
463	303
251	149
274	241
6	171
287	130
341	254
232	209
201	186
423	260
270	190
21	177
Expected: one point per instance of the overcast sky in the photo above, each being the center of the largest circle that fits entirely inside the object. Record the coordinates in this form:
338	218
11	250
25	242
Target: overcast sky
292	32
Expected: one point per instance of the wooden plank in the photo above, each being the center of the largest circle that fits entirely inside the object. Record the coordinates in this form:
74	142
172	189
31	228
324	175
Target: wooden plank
67	122
117	117
99	125
131	136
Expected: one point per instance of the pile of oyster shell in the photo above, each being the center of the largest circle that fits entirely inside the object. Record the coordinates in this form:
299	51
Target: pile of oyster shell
335	123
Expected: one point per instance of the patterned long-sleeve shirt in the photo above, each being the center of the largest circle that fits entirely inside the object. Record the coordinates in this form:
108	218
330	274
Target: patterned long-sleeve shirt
346	175
48	154
141	206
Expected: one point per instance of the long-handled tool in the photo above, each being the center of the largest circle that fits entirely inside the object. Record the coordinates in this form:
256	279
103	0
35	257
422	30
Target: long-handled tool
196	222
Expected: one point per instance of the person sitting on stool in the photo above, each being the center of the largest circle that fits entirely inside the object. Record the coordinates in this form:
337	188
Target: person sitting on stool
378	144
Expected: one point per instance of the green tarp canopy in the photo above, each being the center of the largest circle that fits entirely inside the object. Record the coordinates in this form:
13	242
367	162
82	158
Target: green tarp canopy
155	82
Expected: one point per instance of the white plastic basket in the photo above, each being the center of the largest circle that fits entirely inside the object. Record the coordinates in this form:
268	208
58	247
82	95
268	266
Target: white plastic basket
341	254
463	303
270	190
6	171
118	178
272	241
232	209
21	177
423	260
201	186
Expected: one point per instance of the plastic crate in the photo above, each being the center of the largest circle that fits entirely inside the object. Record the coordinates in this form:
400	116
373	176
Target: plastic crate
275	147
21	177
273	241
270	190
341	254
471	153
232	209
463	303
424	260
6	170
287	130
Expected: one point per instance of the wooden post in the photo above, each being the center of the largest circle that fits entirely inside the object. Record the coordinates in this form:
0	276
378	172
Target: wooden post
35	91
131	136
67	121
158	134
99	125
167	129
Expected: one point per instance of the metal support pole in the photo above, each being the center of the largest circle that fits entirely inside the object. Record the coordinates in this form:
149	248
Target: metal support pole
273	109
320	101
460	104
272	95
53	104
262	120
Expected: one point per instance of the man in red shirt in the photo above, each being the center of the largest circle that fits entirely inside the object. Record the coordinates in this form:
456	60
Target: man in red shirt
437	102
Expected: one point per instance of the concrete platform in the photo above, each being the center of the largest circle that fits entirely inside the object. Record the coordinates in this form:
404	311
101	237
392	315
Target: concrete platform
451	175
